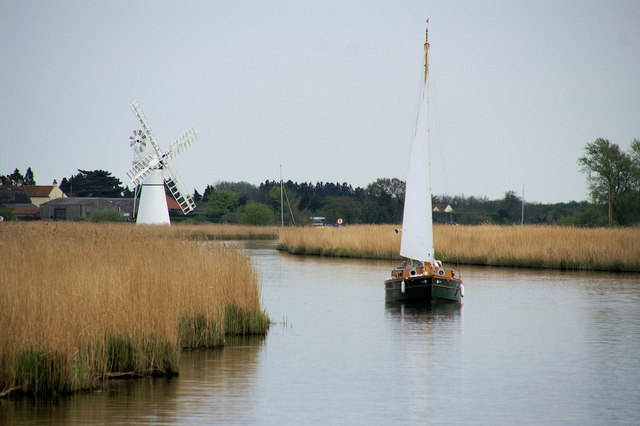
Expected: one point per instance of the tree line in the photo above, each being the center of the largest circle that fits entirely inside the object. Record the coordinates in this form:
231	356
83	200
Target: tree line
613	179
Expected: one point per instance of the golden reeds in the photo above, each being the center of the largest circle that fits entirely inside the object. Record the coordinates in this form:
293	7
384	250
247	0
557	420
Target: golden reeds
367	241
213	231
80	302
609	249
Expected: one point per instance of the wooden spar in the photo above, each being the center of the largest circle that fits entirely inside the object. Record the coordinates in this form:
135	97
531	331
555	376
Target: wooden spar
426	52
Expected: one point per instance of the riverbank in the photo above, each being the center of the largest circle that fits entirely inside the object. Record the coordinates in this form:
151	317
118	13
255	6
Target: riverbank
213	231
80	303
554	247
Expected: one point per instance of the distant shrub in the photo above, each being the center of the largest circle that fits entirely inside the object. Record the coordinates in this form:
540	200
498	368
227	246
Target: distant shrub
8	214
254	213
110	215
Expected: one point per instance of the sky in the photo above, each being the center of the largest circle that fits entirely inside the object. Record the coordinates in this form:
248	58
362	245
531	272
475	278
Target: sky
327	89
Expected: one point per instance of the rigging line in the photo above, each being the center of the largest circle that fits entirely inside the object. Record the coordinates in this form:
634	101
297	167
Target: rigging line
438	130
440	138
419	91
289	204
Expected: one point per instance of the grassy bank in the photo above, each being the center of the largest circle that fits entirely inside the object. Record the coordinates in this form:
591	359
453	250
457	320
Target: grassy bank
83	302
605	249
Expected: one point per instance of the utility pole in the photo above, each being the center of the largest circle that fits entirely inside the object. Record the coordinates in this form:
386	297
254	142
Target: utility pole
522	223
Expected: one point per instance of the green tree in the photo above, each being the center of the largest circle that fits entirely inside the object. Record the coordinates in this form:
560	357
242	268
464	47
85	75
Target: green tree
254	213
343	207
207	191
611	177
16	177
384	201
237	187
221	202
196	196
28	177
93	183
510	208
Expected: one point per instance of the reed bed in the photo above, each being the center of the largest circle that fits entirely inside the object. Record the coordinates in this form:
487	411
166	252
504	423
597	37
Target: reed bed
364	241
82	302
605	249
212	231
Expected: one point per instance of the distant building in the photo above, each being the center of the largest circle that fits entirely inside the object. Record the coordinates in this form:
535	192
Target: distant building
42	193
15	198
442	208
70	208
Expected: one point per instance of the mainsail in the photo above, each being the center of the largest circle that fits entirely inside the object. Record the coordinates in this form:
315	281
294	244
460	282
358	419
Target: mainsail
417	228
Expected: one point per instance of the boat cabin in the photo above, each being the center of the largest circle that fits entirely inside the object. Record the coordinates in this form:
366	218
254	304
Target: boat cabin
408	270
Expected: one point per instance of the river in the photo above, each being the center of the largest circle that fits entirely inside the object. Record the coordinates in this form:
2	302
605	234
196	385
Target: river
524	347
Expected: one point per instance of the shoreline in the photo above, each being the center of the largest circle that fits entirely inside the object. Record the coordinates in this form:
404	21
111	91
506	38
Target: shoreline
529	246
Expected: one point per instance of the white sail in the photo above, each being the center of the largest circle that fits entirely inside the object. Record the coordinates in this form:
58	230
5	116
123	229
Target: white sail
417	228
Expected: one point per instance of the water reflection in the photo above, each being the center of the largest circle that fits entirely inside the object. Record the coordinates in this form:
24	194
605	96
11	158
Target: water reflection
213	386
120	402
218	385
424	313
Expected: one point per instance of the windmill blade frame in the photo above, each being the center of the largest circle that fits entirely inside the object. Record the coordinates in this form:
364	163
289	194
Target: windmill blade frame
177	190
182	143
147	128
143	168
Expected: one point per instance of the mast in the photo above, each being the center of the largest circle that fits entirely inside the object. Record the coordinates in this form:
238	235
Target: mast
426	90
426	52
417	221
281	201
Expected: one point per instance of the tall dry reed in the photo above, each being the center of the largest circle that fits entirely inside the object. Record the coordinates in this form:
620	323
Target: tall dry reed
369	241
609	249
80	302
213	231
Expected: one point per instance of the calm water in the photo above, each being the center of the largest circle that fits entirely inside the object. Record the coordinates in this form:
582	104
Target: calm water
525	347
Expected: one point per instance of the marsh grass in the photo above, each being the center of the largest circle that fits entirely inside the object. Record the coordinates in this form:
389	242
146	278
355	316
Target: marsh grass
212	231
82	302
606	249
242	322
365	241
198	332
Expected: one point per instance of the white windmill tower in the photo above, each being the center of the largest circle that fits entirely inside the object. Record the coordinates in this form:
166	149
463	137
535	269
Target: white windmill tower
151	169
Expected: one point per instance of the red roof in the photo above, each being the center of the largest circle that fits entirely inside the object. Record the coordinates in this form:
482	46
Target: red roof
38	190
26	210
172	204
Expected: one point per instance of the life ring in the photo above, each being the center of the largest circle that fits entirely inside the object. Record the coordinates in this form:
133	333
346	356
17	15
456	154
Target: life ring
402	286
413	271
441	272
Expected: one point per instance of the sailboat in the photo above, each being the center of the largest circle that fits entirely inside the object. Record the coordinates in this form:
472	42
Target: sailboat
421	277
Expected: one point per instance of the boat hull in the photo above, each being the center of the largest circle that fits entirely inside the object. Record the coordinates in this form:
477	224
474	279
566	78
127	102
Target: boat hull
422	288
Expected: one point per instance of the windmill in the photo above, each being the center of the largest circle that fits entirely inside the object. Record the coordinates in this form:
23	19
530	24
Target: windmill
151	170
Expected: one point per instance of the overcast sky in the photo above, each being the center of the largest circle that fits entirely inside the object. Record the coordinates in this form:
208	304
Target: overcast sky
326	88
